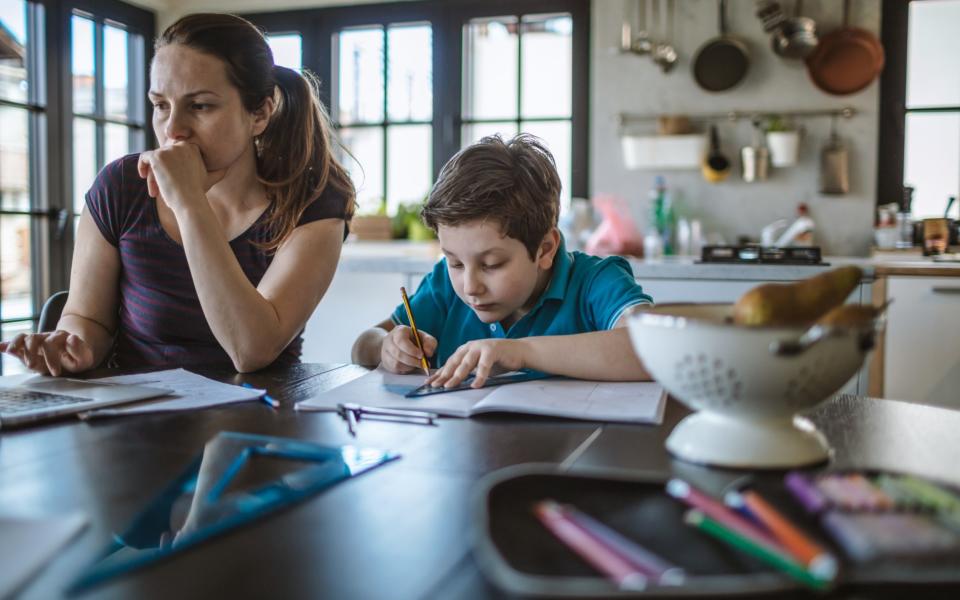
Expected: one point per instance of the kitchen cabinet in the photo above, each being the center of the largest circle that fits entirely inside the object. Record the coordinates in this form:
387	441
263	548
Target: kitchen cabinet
921	353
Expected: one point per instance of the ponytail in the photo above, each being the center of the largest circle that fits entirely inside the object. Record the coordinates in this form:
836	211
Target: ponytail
294	158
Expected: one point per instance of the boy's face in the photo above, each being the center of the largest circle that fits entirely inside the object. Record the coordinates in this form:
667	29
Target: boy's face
492	273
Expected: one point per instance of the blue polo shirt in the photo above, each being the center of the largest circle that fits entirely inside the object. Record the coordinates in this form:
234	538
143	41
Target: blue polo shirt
586	293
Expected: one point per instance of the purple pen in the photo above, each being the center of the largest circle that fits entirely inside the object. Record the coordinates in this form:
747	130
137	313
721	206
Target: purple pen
804	492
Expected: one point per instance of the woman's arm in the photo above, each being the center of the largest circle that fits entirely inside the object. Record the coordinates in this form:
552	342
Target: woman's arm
366	348
255	324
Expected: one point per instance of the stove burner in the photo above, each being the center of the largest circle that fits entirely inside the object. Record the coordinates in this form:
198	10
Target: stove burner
761	255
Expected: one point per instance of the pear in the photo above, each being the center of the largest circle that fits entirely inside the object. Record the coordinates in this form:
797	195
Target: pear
852	316
796	304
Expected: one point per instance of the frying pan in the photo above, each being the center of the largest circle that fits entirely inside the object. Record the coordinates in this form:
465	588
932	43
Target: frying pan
721	62
846	60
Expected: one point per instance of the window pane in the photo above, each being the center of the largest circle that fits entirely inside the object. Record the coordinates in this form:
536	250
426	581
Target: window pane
410	79
14	159
473	132
115	72
933	54
557	137
365	166
84	100
547	57
84	159
11	365
360	77
490	68
410	155
116	142
932	161
15	267
287	50
13	50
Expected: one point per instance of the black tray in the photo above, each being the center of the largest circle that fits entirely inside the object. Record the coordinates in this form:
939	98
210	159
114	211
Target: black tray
519	555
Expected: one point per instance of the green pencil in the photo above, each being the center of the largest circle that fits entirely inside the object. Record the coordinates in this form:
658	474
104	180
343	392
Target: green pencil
748	546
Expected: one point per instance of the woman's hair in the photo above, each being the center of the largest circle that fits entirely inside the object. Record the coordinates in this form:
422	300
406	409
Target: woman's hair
514	183
294	158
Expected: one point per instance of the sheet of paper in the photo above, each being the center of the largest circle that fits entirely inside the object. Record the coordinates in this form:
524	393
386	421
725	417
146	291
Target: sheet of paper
382	389
27	544
190	392
631	402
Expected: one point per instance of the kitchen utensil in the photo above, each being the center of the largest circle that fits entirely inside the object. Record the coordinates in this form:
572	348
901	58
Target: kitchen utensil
746	394
936	236
665	55
722	62
834	165
771	15
846	60
796	37
755	159
641	44
716	166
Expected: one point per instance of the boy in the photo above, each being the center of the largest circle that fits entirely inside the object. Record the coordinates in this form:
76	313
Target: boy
507	293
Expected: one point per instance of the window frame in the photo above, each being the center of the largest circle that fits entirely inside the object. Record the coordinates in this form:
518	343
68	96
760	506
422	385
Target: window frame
50	106
317	27
891	147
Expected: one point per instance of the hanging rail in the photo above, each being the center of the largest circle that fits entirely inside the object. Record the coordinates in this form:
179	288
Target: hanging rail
845	112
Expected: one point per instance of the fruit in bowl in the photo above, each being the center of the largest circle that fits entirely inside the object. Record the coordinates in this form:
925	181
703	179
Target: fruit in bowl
747	382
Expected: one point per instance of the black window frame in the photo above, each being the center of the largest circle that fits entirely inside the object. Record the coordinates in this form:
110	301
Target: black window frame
50	103
317	27
891	149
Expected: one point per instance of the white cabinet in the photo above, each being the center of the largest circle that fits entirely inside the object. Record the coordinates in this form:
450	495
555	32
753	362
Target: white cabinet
354	302
922	345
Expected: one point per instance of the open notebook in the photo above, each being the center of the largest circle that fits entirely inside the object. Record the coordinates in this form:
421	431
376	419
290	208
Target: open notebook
625	402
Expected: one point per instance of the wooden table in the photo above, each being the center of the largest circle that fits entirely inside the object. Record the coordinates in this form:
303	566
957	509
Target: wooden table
401	531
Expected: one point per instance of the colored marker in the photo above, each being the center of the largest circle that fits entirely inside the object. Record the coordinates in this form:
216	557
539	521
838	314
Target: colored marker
713	508
265	398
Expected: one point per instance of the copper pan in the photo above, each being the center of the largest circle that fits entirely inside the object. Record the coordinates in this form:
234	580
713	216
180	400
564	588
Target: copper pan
846	60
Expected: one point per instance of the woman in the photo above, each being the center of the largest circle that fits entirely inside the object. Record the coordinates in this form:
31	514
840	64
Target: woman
216	247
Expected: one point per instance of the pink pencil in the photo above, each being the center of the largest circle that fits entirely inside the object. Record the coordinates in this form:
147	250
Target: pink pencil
714	509
602	558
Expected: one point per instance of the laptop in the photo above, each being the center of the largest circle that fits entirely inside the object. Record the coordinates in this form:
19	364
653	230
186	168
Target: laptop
39	398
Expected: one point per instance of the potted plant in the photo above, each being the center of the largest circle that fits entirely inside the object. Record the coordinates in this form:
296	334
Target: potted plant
783	140
374	226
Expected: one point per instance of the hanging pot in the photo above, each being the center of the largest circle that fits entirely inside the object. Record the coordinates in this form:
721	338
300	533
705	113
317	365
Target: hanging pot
722	62
846	60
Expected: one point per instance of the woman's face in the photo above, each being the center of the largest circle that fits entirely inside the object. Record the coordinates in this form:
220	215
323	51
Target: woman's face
194	102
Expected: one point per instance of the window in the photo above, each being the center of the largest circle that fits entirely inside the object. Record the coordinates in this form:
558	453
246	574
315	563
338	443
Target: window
72	78
409	84
920	105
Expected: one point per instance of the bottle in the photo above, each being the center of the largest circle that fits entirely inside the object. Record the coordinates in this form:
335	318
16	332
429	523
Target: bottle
904	220
661	214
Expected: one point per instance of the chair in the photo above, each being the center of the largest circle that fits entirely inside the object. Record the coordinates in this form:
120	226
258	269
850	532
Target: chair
50	313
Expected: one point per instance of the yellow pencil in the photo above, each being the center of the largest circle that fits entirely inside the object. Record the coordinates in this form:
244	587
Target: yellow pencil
416	334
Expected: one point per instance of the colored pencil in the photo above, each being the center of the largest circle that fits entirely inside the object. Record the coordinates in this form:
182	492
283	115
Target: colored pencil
416	334
265	398
780	561
806	551
715	509
652	566
602	558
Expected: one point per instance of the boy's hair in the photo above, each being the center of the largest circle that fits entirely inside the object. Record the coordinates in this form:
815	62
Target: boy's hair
514	183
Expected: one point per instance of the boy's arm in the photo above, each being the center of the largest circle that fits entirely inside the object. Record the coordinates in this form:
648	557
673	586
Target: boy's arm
366	348
598	355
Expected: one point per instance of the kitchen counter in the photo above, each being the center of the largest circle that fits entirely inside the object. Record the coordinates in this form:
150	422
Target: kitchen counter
420	257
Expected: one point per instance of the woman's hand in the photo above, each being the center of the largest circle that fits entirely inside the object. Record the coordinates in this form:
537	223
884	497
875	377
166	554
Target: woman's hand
399	352
176	174
53	353
482	356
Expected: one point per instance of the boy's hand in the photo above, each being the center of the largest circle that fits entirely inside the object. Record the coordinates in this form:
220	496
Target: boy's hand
481	355
399	352
53	353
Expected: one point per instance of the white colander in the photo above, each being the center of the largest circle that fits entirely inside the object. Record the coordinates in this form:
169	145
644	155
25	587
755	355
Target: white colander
746	383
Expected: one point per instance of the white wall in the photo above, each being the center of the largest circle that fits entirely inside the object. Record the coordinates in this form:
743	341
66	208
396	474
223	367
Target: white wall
629	83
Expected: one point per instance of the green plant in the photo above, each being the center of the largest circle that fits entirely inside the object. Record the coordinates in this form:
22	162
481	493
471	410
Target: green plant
407	225
778	123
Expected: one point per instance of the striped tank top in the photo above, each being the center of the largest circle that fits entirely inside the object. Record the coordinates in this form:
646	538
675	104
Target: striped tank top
161	322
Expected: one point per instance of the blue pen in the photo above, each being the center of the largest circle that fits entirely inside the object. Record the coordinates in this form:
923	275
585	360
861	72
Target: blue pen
266	398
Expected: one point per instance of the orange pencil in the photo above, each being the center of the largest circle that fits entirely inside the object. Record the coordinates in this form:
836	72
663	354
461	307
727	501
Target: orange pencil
819	561
416	334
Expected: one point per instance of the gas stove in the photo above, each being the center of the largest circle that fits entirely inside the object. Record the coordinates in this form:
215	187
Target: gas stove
760	255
